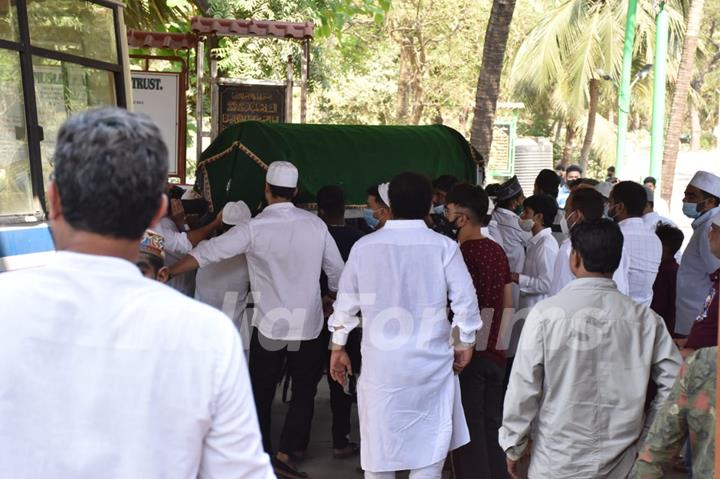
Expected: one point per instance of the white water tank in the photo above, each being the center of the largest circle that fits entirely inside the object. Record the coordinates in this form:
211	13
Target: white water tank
531	156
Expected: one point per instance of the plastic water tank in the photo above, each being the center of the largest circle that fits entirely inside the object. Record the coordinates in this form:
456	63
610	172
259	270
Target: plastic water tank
531	156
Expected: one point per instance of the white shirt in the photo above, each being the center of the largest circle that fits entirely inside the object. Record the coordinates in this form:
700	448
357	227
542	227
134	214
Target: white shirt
537	274
485	231
286	249
513	241
108	374
401	278
177	245
645	252
579	381
225	286
563	275
693	279
652	219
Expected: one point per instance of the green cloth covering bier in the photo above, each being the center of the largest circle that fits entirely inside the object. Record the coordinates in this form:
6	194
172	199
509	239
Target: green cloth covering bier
353	157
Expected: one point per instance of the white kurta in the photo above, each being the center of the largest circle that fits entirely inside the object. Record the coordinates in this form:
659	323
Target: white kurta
652	219
537	274
286	249
176	246
562	274
401	278
693	279
104	373
644	254
579	381
225	286
514	240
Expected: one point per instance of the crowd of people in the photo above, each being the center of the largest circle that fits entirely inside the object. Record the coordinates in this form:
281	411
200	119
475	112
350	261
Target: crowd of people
557	335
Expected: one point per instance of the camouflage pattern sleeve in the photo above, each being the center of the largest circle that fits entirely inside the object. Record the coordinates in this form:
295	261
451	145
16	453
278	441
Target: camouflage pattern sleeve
689	409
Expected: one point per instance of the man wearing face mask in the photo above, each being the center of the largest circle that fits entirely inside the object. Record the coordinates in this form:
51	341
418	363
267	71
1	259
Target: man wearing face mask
536	277
627	204
701	201
584	204
509	205
377	212
441	186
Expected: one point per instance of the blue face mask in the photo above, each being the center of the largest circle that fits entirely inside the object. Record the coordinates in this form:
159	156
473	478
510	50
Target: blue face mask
439	209
690	210
371	221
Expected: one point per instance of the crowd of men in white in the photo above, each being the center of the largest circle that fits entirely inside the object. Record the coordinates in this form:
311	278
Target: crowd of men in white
104	373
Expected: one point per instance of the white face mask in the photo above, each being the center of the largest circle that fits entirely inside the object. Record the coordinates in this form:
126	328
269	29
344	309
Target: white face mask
526	224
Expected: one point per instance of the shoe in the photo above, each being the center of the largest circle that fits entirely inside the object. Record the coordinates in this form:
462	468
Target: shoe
352	449
297	456
285	470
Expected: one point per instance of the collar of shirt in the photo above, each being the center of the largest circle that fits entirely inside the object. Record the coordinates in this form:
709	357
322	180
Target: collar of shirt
92	262
592	283
705	217
404	224
541	234
278	206
632	222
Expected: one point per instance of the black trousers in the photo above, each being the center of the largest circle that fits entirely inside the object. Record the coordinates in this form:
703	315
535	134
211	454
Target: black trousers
341	403
304	360
481	386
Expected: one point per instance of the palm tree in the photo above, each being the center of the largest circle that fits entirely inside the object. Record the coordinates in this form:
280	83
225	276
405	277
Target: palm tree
488	85
576	45
680	97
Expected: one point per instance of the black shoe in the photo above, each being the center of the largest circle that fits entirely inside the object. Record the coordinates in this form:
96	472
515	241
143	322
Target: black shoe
352	449
285	470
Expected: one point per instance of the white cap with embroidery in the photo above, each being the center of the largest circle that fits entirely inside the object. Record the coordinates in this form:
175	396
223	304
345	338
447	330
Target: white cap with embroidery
235	213
707	182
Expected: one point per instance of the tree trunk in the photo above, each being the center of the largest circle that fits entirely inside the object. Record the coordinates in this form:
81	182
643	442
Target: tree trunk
488	85
680	97
695	128
569	143
405	79
594	88
558	131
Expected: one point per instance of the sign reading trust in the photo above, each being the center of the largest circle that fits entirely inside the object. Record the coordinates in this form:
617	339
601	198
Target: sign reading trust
156	95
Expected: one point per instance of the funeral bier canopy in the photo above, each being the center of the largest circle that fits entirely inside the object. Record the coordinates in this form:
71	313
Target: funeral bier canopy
233	167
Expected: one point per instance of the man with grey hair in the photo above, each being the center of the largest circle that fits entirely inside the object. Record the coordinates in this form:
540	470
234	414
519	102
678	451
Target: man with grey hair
106	373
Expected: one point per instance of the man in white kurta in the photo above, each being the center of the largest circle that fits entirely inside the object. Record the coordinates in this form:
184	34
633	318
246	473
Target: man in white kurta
513	239
225	285
584	204
701	202
286	248
580	378
106	373
400	279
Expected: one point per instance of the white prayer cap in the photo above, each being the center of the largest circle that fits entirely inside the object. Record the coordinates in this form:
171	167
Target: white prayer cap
604	188
383	189
283	174
706	182
235	213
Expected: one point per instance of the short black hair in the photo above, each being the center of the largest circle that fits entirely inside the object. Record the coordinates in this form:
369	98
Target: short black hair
111	168
589	202
548	182
671	237
410	196
544	205
331	199
572	168
650	179
599	243
282	192
559	167
492	189
632	195
611	168
472	198
375	193
583	181
155	261
444	182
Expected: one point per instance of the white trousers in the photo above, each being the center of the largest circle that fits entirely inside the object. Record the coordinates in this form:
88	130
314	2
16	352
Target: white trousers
433	471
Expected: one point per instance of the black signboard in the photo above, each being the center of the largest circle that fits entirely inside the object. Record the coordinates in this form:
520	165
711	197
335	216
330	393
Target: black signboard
251	103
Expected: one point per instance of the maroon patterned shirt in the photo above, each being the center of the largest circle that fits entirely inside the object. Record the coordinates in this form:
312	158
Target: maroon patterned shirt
490	272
